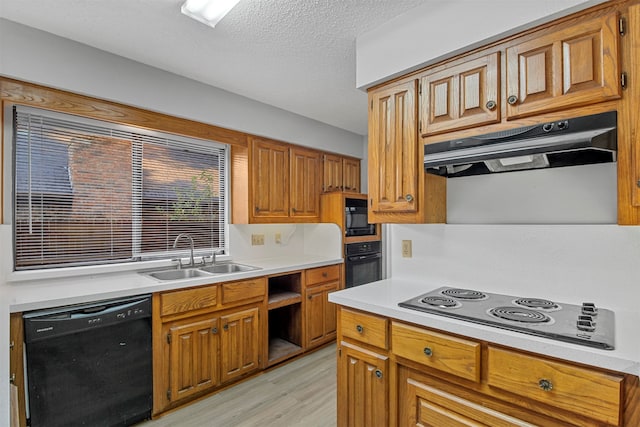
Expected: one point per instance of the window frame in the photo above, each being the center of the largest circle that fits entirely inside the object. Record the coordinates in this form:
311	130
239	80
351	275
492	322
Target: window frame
140	260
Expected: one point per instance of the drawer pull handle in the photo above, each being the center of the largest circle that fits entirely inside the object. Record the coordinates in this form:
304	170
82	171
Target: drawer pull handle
408	198
428	352
359	328
324	274
545	385
378	373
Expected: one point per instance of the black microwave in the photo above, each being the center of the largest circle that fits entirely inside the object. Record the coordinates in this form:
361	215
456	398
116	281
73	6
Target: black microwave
356	219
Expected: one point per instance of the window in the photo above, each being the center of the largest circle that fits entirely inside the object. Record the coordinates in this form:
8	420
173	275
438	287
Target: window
92	192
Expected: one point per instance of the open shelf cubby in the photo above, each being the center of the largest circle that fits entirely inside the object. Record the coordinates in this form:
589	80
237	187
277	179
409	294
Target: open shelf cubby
285	316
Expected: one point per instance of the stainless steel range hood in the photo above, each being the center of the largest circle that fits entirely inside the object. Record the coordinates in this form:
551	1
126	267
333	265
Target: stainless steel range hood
569	142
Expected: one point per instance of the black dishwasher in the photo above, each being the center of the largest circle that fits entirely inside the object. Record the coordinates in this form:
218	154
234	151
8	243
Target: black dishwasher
90	364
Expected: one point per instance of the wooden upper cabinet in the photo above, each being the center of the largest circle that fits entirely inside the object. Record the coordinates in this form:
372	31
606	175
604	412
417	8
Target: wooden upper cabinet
332	165
461	96
351	175
571	67
306	170
393	149
269	179
340	174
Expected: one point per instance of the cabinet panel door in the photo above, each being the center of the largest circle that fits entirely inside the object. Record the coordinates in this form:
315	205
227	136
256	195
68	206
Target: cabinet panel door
305	174
351	175
393	149
332	173
363	388
270	179
424	405
330	311
315	315
571	67
461	96
239	343
193	357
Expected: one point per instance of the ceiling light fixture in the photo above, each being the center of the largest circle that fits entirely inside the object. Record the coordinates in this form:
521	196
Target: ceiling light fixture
209	12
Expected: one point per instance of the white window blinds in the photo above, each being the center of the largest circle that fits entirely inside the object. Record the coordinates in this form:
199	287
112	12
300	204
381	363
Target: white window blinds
90	192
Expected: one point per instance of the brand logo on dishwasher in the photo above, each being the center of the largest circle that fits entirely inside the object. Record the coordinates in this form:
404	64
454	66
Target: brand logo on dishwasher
47	329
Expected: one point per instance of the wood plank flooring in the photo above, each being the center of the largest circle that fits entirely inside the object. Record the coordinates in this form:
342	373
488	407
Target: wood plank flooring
301	393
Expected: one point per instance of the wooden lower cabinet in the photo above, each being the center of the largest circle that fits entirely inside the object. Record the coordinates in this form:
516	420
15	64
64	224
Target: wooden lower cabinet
432	378
320	314
423	404
192	356
363	387
240	337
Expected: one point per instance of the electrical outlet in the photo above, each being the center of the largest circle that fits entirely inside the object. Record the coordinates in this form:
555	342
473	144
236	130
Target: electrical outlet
257	239
278	238
406	248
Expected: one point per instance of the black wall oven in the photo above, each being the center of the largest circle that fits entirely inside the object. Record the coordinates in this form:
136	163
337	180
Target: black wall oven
363	263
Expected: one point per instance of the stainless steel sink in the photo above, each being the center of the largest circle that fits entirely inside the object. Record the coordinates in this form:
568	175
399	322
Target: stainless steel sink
226	268
177	274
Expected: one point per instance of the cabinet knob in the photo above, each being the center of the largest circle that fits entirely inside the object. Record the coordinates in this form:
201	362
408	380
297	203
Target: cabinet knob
491	105
638	183
294	210
512	100
378	373
408	198
310	297
257	209
214	330
359	328
226	327
324	274
545	385
427	351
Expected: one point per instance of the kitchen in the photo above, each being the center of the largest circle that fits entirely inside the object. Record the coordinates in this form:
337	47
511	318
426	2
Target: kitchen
505	248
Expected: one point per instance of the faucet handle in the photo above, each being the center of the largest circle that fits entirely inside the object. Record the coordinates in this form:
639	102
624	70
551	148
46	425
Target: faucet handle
179	260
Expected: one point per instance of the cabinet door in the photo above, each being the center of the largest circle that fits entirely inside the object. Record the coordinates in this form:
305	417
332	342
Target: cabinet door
571	67
305	183
424	405
193	357
239	343
320	314
363	388
332	173
351	175
461	96
393	149
269	179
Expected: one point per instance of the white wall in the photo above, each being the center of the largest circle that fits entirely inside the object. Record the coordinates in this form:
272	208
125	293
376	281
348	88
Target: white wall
40	57
567	263
443	28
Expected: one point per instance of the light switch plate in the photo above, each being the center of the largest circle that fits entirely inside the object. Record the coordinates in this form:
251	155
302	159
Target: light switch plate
406	249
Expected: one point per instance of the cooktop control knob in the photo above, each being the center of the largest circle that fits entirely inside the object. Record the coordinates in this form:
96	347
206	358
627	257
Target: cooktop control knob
586	323
589	309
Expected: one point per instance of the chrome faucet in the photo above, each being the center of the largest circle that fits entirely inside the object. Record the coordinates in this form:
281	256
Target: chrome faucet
175	242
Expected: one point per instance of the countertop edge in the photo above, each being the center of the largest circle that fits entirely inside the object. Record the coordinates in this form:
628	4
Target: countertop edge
47	293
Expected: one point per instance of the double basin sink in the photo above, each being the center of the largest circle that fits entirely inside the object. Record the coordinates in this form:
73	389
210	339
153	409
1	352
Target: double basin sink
203	271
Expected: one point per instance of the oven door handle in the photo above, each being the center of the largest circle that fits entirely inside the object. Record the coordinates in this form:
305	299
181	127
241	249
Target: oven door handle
364	257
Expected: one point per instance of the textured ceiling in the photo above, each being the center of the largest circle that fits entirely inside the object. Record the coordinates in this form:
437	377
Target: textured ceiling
298	55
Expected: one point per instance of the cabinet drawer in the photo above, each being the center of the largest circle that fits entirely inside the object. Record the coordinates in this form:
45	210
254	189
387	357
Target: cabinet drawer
364	328
322	274
448	354
583	391
188	299
245	290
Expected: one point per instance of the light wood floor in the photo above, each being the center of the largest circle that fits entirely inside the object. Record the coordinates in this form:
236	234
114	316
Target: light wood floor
301	393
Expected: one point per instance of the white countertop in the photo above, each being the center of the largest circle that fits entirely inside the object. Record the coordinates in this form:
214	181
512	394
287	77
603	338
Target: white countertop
45	293
383	297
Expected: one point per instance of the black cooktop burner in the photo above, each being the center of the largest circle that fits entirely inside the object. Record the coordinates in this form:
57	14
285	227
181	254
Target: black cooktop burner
464	293
537	303
519	314
441	302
